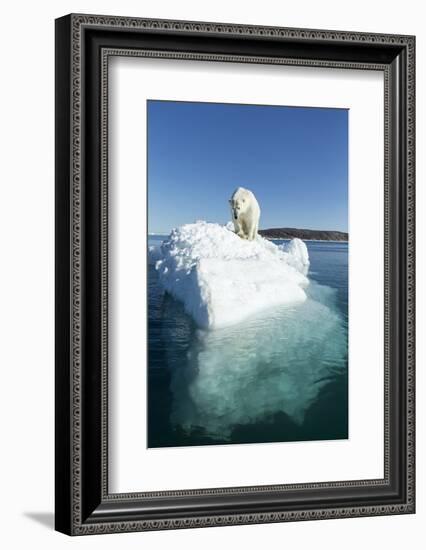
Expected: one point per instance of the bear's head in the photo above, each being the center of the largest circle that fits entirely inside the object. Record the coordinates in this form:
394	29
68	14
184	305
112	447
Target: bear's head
239	202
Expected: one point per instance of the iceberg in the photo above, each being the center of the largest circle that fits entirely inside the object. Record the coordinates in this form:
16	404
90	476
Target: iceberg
222	279
281	362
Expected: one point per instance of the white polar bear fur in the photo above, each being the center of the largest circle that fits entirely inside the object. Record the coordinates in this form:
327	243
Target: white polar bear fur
245	213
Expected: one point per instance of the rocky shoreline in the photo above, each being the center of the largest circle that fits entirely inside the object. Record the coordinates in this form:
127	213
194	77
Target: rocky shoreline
304	234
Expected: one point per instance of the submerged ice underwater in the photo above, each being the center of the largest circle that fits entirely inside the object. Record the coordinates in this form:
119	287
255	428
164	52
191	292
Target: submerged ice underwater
247	340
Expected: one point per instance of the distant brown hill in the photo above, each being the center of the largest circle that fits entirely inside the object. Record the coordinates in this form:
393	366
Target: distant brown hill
304	234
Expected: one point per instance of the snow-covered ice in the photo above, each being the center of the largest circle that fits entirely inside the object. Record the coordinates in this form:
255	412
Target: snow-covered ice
222	279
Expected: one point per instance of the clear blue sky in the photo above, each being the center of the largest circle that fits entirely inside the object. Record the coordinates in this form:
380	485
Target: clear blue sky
294	159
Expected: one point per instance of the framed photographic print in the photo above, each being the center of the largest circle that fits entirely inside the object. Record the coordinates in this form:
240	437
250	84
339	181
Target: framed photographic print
234	274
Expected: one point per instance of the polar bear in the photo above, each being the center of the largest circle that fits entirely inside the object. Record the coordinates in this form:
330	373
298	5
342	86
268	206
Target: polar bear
245	212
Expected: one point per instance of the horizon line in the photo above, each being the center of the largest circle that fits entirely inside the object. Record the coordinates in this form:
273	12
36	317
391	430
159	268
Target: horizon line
264	229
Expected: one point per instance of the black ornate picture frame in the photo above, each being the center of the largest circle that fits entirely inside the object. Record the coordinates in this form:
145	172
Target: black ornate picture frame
84	43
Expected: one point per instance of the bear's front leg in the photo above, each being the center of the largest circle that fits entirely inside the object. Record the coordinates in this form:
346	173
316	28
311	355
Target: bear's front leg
238	229
253	232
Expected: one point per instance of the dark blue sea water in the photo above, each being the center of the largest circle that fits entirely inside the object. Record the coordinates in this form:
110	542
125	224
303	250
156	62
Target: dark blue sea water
280	376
